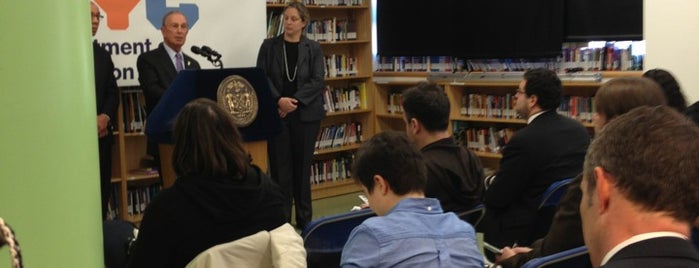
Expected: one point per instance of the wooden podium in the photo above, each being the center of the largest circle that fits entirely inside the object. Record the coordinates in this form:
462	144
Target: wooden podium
193	84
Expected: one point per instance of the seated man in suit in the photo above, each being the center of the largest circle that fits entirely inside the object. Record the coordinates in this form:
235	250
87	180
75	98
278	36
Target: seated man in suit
640	192
614	98
157	68
454	174
410	230
549	148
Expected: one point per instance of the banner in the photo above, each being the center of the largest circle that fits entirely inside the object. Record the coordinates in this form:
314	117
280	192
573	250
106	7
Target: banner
234	28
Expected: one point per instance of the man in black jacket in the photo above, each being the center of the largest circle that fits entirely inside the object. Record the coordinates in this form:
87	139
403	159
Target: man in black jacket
549	148
454	174
107	96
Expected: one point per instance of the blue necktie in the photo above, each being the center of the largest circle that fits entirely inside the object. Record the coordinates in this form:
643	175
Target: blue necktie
179	64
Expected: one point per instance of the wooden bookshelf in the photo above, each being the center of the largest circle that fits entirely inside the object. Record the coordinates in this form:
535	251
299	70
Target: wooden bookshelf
390	82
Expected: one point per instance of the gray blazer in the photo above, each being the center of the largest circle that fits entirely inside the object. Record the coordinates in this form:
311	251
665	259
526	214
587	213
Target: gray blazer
310	76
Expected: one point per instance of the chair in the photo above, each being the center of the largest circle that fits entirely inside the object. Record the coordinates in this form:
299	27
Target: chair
572	258
281	247
324	238
547	207
473	215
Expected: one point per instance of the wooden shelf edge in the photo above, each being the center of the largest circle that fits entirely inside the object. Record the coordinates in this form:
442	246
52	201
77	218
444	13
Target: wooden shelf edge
337	149
330	189
355	111
489	120
322	6
488	155
390	116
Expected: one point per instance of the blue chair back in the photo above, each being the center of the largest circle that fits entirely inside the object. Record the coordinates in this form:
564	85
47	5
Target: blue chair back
547	208
572	258
554	192
324	238
473	215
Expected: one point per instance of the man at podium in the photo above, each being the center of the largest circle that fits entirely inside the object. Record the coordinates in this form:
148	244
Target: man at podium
158	68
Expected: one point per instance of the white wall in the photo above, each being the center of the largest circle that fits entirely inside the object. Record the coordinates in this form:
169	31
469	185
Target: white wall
671	31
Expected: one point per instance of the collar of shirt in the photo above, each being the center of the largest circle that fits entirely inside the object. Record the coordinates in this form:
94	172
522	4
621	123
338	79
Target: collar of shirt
171	53
534	116
638	238
426	205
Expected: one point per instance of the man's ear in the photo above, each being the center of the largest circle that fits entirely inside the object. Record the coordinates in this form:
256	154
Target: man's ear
533	101
381	186
603	188
414	125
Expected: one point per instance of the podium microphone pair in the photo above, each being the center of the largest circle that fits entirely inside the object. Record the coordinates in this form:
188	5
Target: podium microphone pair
210	54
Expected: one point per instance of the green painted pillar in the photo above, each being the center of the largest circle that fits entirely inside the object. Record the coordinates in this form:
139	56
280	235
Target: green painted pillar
49	178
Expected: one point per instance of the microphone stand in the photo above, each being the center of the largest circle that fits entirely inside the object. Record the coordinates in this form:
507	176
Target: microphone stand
215	60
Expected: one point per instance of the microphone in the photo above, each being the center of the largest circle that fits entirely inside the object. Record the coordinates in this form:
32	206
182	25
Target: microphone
210	51
199	51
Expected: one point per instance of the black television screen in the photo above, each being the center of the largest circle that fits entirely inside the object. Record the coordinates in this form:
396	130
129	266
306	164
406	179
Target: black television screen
470	28
603	20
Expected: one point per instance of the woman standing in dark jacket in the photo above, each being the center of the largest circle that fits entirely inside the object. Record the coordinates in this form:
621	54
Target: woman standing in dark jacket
294	66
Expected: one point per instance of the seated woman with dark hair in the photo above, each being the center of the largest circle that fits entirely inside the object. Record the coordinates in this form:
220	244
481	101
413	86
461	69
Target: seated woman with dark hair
218	197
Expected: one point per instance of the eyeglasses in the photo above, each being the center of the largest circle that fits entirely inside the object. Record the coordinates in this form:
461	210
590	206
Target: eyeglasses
97	16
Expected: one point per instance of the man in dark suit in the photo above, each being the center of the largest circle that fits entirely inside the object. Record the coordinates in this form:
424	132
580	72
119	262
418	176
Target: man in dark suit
454	174
640	193
107	96
551	147
157	68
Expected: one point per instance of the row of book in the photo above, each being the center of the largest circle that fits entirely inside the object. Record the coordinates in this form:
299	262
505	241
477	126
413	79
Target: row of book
322	30
345	99
488	106
335	169
395	103
137	198
416	64
322	2
490	139
608	58
134	111
340	65
339	135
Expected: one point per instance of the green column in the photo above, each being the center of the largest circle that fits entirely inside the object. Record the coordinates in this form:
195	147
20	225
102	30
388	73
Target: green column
49	178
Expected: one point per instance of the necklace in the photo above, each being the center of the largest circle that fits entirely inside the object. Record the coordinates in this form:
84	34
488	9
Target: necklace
286	66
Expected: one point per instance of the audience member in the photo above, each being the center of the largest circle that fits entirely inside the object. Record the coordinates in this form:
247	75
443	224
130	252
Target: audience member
157	68
693	112
294	65
454	174
107	97
670	87
639	190
614	98
218	197
549	148
410	230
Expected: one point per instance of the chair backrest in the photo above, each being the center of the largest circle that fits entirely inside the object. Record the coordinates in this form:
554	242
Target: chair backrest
547	208
473	215
281	247
554	192
324	238
572	258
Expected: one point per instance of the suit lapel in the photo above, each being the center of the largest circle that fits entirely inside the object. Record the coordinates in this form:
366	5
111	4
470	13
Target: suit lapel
303	51
167	62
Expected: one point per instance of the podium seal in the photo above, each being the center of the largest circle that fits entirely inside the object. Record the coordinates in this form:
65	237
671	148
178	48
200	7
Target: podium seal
238	97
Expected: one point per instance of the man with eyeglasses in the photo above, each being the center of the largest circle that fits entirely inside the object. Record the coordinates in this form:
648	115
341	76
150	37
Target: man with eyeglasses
549	148
157	68
107	97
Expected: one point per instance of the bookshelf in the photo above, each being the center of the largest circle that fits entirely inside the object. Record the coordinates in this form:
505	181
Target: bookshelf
343	29
133	183
480	108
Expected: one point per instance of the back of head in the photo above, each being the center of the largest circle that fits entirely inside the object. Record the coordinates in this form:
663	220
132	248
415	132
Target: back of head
391	155
428	103
670	88
207	142
693	112
652	153
620	95
546	85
